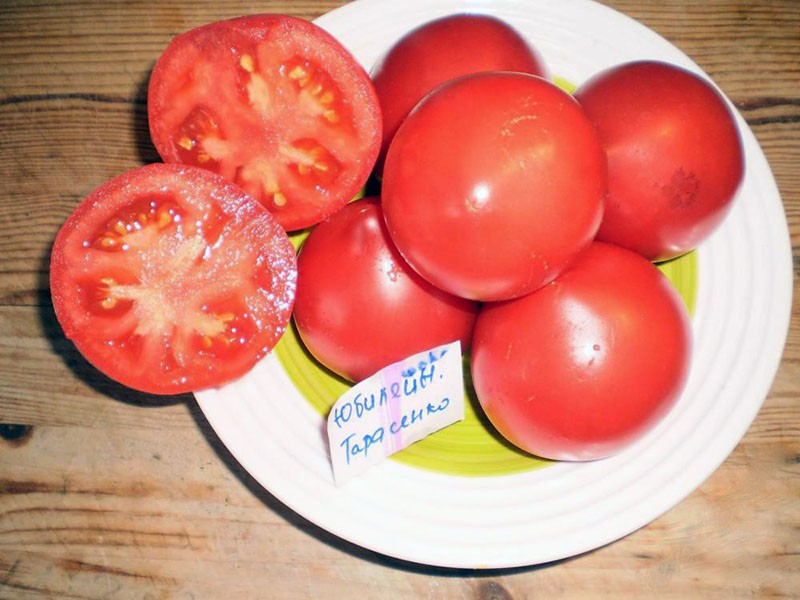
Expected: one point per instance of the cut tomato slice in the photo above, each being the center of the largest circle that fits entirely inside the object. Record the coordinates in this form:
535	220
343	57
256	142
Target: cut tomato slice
170	279
274	104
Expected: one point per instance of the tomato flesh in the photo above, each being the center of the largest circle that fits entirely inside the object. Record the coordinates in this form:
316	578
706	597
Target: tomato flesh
272	103
196	129
170	279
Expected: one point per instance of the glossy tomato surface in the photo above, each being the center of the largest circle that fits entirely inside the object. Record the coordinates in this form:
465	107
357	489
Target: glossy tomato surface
675	157
441	50
585	366
274	104
360	307
493	184
170	279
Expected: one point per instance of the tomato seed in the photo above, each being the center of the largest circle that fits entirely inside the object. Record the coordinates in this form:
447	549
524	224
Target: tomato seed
300	75
108	243
246	62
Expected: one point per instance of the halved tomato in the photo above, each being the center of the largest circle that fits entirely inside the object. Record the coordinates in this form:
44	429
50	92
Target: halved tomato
273	103
170	279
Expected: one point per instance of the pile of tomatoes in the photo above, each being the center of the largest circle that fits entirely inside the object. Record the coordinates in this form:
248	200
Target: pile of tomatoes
501	211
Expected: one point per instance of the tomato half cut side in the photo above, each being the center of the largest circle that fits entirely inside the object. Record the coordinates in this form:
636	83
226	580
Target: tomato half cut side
273	103
171	279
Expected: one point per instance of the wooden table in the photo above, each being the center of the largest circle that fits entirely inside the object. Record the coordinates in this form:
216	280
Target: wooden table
108	493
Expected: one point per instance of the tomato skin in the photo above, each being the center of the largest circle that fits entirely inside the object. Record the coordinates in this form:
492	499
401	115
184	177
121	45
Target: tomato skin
441	50
675	156
169	279
360	307
273	103
583	367
493	184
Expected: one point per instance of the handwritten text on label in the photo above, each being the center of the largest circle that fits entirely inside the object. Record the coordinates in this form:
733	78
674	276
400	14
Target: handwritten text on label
394	408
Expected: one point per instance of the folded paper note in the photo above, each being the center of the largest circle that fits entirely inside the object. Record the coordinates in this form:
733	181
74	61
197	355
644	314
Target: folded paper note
395	407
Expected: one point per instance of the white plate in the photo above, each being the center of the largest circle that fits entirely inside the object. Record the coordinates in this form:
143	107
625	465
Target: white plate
740	325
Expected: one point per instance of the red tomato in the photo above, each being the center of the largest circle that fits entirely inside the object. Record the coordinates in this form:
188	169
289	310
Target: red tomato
583	367
441	50
675	158
170	279
360	307
274	104
493	184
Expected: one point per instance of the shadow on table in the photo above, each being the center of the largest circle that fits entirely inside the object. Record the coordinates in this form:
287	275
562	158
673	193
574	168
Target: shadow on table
64	348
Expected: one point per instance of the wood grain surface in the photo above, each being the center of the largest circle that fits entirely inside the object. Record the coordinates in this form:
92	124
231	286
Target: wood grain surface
109	493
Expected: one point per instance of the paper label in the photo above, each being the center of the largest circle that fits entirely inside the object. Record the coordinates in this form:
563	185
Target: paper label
394	408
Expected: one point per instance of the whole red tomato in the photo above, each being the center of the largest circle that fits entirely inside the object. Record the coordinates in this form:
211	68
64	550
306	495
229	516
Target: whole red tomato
493	184
273	103
441	50
675	158
583	367
360	307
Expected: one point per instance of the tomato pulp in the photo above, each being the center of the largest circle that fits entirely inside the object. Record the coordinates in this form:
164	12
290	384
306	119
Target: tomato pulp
581	368
360	307
441	50
675	156
272	103
493	184
170	279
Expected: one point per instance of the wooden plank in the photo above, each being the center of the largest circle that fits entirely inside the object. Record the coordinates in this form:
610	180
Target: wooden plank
133	511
